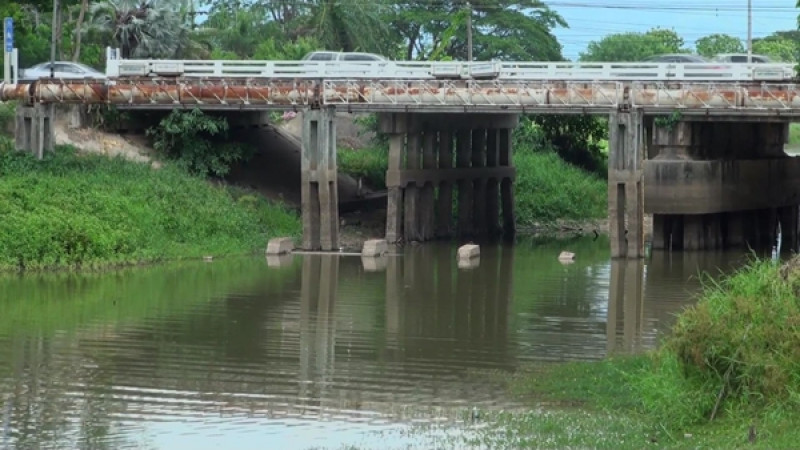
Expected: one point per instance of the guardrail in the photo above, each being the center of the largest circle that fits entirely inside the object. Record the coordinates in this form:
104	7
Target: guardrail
425	70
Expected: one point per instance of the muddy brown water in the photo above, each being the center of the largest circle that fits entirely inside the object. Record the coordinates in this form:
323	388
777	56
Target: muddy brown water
314	351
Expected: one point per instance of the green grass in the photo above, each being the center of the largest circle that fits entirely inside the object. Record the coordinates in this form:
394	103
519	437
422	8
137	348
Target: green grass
548	189
72	211
794	134
368	163
742	339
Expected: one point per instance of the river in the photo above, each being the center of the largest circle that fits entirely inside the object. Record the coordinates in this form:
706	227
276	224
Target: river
310	351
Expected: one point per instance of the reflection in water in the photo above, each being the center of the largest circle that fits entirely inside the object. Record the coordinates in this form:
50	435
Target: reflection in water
313	350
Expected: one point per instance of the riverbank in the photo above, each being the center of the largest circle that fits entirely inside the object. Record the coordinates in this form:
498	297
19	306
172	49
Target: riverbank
725	377
83	211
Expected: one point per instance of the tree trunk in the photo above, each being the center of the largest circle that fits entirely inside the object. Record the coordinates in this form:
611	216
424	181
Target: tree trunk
78	26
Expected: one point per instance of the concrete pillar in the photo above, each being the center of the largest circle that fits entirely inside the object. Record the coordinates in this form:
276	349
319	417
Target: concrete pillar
412	191
444	201
479	184
34	131
394	206
465	187
427	195
492	184
506	184
625	193
320	203
789	227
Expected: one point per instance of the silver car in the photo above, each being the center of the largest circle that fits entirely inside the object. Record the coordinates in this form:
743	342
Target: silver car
741	58
61	69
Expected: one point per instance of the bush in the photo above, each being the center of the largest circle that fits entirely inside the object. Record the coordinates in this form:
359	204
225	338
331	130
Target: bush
90	211
369	163
197	142
547	189
743	336
7	116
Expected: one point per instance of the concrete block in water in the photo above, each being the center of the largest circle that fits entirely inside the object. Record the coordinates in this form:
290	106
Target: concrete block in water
374	247
374	263
566	257
468	251
469	263
280	260
280	246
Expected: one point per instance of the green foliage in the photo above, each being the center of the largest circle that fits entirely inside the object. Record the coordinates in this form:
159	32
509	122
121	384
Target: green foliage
529	136
502	29
368	163
279	49
7	116
634	46
576	139
743	336
668	122
91	211
548	189
198	142
714	44
107	117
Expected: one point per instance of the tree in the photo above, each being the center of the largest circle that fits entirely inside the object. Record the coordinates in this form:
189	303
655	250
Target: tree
502	29
715	44
140	28
349	25
634	46
781	46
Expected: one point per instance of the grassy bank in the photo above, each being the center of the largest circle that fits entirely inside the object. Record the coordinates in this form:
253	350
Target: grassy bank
546	189
727	376
72	211
794	134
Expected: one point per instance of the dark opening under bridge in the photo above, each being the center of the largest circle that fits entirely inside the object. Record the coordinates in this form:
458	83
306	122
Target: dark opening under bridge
717	177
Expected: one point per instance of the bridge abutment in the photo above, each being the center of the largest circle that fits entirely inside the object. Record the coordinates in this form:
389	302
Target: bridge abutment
721	184
435	159
318	189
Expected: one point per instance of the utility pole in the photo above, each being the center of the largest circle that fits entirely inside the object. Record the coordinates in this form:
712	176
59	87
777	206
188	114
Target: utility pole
749	31
469	32
54	39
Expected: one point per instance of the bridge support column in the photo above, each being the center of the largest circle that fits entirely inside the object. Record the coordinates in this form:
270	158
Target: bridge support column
34	131
421	176
721	184
626	146
320	203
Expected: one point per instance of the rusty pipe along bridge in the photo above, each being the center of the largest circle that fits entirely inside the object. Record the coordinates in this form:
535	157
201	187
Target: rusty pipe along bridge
450	127
408	86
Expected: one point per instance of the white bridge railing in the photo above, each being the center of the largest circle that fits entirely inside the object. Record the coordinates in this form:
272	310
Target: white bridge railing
414	70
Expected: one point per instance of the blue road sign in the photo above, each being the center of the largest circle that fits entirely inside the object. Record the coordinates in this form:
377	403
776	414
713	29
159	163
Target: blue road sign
8	35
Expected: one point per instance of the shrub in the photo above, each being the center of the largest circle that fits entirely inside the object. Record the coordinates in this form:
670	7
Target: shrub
197	142
7	116
369	163
88	211
547	189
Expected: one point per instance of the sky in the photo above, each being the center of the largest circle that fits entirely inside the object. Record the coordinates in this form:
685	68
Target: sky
590	20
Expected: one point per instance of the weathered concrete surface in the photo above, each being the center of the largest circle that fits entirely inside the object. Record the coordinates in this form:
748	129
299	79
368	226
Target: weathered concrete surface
469	251
627	147
280	246
374	247
704	187
35	129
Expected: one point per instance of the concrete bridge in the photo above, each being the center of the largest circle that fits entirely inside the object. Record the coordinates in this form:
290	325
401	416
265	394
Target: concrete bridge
712	169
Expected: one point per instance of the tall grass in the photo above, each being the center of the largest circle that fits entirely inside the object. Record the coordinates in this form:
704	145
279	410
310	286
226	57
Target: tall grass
71	211
547	189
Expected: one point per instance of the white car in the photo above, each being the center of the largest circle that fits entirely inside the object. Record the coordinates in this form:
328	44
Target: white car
61	69
343	56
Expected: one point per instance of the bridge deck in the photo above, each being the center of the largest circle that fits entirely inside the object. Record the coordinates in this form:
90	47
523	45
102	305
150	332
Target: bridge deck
502	96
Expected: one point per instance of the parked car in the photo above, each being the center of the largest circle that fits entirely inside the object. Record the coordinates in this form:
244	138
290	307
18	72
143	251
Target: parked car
62	69
740	58
342	56
681	58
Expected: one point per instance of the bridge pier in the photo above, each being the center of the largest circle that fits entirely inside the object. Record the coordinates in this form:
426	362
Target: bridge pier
626	148
35	132
425	174
721	184
318	189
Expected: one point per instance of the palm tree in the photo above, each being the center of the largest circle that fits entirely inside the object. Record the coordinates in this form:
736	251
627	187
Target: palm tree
349	25
141	28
